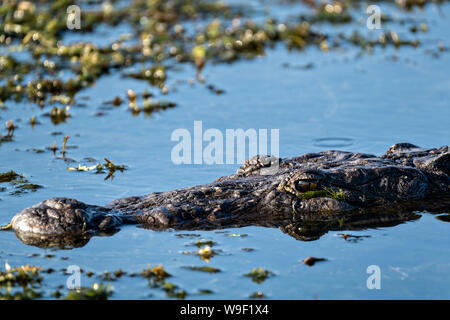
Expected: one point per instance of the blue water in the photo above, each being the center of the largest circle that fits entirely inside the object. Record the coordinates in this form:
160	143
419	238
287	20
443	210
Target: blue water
361	103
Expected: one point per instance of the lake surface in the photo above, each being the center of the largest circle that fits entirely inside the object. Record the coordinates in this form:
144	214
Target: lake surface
347	100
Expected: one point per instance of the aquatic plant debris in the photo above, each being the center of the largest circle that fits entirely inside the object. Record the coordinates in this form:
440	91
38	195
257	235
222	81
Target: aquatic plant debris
95	292
203	242
64	145
108	166
157	272
157	279
351	237
310	261
203	269
206	253
257	295
8	176
17	182
11	127
161	35
172	291
259	275
20	283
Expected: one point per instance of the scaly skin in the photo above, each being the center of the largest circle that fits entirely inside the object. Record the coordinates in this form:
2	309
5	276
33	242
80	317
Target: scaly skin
310	192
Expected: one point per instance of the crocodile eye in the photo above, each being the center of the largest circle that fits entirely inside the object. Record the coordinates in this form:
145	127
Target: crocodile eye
306	185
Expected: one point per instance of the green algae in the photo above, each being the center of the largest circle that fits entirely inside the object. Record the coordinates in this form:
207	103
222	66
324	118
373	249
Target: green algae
17	182
8	176
95	292
59	115
201	243
157	272
203	269
204	291
20	283
160	36
157	276
29	186
259	275
173	291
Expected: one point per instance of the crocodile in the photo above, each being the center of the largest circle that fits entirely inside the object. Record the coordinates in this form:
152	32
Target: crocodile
305	196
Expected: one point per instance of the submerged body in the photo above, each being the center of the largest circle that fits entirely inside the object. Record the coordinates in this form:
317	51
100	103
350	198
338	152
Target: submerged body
320	187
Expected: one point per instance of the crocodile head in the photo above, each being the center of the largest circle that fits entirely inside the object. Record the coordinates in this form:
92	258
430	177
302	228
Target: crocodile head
323	187
62	217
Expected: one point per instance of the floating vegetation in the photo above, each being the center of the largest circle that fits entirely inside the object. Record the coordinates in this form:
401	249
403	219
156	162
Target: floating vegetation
157	279
351	238
157	272
95	292
53	148
8	176
35	150
119	273
149	105
5	139
205	291
107	166
188	235
26	187
172	291
259	275
112	168
199	54
80	167
203	269
310	261
241	235
257	295
160	35
58	115
213	89
11	127
410	4
17	182
203	242
206	253
335	12
155	75
26	278
107	276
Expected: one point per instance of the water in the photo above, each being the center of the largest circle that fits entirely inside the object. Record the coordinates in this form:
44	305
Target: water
345	101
